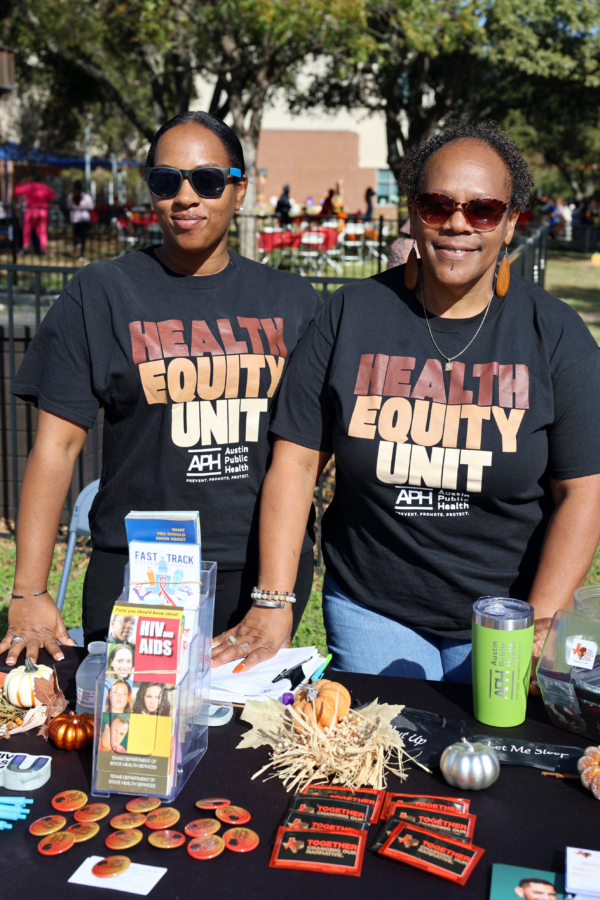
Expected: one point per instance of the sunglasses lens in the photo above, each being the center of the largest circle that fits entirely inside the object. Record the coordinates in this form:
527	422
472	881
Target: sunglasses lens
434	209
164	182
484	215
209	183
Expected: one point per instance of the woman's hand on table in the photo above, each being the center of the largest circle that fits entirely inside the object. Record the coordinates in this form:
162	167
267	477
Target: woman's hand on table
265	631
540	632
38	621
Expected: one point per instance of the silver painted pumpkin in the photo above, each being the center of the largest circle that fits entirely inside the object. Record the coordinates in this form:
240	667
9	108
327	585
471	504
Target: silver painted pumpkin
470	767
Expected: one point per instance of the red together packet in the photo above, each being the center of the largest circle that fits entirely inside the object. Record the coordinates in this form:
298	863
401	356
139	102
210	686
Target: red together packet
459	826
349	811
319	851
439	804
314	822
434	853
371	796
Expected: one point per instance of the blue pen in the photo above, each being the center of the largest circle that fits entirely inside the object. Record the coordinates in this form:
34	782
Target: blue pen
319	673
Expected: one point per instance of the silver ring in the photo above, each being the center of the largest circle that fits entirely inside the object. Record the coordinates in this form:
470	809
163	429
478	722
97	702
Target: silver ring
18	637
535	683
231	639
245	645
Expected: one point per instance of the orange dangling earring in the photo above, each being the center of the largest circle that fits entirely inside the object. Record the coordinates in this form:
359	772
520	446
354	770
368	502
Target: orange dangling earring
411	272
503	276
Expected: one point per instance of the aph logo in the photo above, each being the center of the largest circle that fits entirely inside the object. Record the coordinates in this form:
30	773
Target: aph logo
205	462
414	500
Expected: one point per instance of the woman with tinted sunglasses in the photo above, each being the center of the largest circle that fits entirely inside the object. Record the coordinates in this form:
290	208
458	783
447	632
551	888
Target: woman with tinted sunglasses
461	402
183	346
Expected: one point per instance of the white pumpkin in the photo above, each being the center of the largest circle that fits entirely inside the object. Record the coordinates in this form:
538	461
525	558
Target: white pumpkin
18	684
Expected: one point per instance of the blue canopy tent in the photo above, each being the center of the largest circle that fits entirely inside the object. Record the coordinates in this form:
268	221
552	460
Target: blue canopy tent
20	153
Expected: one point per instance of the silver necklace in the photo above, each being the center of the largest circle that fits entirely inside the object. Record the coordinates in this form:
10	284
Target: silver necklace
450	359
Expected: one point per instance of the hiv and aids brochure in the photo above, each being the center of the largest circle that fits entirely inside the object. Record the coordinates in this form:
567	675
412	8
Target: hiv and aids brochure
136	748
165	563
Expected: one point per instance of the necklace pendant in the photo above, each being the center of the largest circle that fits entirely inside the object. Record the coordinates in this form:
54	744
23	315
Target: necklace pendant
448	366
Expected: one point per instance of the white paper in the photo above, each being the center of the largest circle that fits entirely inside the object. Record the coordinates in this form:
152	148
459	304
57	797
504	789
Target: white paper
257	683
583	871
136	880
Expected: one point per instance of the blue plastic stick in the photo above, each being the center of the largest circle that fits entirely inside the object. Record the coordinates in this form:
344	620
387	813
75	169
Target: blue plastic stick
13	816
20	800
4	825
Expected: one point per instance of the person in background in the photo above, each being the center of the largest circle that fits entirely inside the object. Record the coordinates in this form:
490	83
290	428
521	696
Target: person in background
401	248
37	196
369	194
284	204
327	207
80	205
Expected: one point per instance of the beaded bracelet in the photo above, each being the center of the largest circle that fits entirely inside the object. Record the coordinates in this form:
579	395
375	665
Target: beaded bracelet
258	594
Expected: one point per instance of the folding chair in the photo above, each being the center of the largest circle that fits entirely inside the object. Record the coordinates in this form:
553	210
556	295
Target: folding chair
310	251
353	237
80	525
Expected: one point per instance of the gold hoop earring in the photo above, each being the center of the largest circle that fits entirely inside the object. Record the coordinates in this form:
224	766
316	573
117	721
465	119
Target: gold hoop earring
503	276
411	272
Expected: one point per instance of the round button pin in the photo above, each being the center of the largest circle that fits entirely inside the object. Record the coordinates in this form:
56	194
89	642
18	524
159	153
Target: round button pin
47	825
162	818
92	812
123	840
241	840
111	866
212	803
166	840
143	804
83	831
206	847
128	820
233	815
202	826
56	843
69	801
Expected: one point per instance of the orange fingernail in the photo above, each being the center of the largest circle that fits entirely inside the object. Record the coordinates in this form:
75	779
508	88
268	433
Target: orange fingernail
239	668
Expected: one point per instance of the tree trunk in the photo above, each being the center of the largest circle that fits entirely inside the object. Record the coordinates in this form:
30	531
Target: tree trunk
247	221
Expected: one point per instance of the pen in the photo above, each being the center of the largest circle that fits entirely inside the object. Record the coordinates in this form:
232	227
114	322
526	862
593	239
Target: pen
287	672
319	673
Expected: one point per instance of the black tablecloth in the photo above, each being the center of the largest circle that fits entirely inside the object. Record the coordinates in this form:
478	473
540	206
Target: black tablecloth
525	819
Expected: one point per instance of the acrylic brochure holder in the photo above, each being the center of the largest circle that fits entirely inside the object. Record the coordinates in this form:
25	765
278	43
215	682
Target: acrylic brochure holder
174	738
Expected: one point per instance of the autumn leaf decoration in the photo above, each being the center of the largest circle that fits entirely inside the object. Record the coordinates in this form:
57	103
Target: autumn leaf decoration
48	693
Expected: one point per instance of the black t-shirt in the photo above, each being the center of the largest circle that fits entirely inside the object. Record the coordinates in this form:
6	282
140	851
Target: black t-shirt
442	492
185	369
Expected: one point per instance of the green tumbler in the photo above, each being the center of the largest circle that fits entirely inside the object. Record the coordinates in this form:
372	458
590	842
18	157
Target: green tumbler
502	646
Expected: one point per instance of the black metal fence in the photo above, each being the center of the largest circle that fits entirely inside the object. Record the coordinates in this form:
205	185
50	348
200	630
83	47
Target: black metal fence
27	292
309	245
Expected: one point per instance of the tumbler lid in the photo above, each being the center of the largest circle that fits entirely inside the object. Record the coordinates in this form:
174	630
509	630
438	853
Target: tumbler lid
503	613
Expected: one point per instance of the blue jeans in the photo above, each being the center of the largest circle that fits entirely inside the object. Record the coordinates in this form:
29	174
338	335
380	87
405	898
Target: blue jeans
363	640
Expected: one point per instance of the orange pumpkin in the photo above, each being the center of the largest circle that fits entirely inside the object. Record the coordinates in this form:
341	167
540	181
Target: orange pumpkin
72	731
324	703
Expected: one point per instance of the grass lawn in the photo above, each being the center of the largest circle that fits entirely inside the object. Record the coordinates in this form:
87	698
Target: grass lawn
574	278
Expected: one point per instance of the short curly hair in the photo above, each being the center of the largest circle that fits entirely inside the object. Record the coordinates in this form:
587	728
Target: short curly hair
488	132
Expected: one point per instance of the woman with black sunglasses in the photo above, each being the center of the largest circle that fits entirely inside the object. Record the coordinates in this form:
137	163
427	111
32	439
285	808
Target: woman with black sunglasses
461	403
183	346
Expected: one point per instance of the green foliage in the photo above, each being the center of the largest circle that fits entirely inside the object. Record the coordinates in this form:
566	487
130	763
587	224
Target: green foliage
72	606
311	630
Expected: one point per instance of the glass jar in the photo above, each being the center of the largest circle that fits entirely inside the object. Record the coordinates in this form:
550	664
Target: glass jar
568	672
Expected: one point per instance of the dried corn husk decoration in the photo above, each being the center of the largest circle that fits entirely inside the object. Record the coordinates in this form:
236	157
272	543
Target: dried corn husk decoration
357	752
